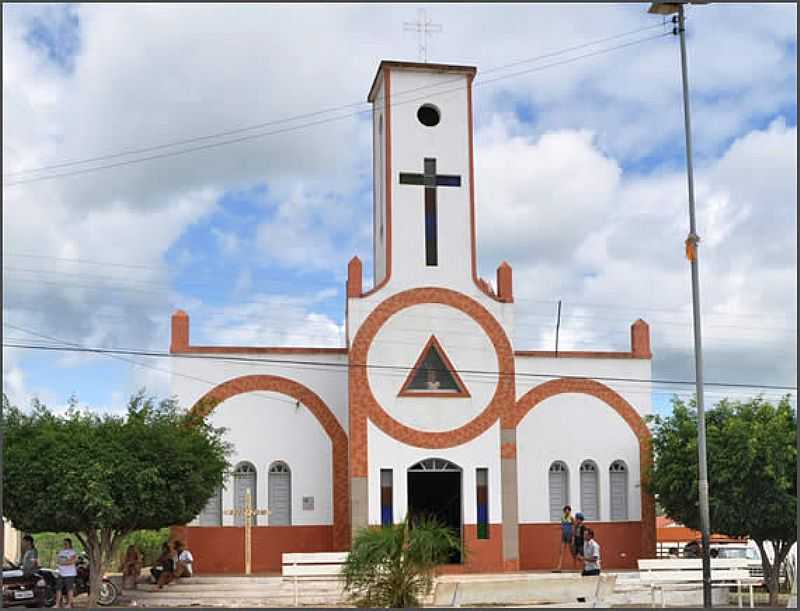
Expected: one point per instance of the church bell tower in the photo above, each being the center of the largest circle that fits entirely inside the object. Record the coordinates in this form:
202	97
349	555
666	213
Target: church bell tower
422	162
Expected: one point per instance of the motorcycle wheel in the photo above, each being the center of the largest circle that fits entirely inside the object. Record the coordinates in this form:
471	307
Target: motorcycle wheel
108	594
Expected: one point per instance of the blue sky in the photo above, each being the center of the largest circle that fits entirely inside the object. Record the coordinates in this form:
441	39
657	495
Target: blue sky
253	238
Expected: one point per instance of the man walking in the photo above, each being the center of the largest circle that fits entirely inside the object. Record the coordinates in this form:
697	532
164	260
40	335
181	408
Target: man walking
66	559
591	554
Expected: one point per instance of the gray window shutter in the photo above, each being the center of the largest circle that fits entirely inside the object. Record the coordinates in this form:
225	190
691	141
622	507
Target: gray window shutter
212	512
557	484
590	505
244	477
618	473
280	494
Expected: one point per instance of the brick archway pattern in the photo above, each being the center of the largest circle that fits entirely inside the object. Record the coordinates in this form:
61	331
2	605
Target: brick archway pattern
231	388
536	395
363	403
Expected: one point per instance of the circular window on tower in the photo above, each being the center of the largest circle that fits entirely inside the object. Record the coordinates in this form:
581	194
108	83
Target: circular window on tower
429	115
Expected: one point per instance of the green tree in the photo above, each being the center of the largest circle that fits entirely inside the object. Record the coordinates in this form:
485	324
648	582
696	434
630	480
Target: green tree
102	477
393	566
752	472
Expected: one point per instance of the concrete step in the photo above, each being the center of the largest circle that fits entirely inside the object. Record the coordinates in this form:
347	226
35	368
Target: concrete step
230	603
220	594
210	587
233	592
224	580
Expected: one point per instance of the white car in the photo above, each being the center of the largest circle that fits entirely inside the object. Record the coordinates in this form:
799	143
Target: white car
740	550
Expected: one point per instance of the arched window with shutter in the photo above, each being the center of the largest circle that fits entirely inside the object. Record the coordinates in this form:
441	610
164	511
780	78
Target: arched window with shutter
558	488
590	491
212	512
618	482
280	494
244	478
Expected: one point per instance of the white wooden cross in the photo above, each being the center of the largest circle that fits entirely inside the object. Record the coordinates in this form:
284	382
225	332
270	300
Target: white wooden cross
247	512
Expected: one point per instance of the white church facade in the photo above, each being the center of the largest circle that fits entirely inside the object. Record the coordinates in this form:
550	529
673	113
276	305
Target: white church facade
429	407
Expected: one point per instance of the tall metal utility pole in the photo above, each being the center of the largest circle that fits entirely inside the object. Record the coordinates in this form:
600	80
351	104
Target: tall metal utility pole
692	242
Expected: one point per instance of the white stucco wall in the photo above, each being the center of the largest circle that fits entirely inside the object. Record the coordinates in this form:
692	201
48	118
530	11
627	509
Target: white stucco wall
265	427
385	452
378	183
325	374
638	394
400	342
268	426
573	428
12	540
447	142
411	142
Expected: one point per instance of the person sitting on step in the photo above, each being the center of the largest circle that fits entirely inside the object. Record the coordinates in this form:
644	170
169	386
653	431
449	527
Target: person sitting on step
183	567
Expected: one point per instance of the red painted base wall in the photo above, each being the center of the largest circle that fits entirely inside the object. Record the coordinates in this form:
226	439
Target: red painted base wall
620	545
221	549
482	555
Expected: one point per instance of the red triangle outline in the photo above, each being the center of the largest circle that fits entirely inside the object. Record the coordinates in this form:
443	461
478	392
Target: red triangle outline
405	391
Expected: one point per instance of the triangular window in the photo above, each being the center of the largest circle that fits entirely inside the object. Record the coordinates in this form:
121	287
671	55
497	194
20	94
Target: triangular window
433	375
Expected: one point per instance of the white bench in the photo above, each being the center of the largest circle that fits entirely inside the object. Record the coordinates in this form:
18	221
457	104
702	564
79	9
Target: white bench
320	566
662	574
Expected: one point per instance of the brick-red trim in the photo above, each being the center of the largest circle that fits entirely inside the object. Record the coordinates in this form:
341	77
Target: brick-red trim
504	271
536	395
460	392
363	404
251	383
387	123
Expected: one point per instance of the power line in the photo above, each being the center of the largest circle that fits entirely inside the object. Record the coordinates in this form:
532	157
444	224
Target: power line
147	365
82	261
519	324
313	123
627	389
84	349
142	150
520	300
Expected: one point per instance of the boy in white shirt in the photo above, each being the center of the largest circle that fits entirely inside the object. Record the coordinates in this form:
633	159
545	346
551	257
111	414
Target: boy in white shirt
66	559
591	554
183	566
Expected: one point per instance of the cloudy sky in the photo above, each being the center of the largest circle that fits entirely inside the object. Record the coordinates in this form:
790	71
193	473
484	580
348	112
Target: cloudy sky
580	177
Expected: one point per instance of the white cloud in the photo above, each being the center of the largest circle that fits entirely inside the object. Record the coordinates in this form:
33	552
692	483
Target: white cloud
611	247
312	230
561	177
271	320
570	221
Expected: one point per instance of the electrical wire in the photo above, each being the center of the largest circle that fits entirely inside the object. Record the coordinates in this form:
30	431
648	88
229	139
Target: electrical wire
628	388
350	365
250	137
220	134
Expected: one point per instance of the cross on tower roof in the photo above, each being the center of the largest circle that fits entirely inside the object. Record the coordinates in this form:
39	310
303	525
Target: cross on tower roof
424	28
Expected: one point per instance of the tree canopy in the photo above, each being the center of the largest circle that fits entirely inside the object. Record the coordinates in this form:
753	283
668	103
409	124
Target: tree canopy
752	471
104	476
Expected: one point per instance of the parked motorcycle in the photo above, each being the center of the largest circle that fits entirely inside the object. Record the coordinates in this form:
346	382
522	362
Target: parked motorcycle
108	593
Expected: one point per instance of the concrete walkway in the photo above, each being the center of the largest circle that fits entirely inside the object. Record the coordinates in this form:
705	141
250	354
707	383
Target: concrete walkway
275	591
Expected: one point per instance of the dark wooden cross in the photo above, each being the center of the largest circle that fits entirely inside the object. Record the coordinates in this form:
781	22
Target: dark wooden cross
430	180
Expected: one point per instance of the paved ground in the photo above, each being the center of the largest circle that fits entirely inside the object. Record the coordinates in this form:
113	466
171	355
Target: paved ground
268	591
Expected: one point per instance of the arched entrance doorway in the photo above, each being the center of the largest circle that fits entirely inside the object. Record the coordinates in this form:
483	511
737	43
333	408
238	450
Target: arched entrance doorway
434	490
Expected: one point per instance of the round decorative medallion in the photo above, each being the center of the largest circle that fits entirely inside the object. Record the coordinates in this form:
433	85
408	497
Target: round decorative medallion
364	402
